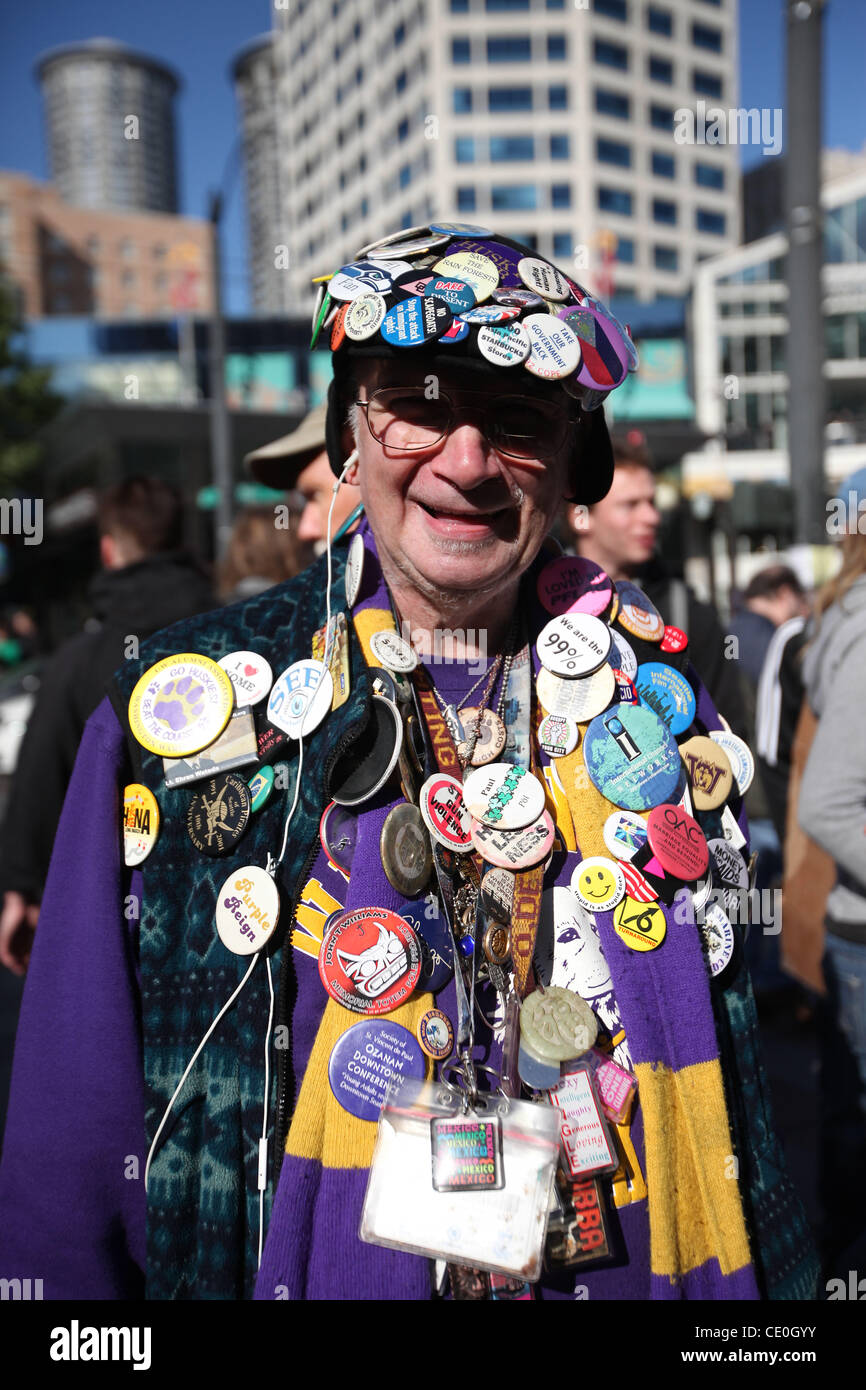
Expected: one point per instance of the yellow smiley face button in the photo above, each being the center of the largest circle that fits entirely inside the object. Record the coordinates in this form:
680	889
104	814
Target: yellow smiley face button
598	883
641	926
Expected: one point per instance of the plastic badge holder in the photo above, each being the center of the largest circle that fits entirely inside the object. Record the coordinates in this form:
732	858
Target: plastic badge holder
496	1228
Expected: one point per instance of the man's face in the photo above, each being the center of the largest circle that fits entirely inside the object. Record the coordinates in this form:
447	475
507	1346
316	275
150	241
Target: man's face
457	517
315	483
620	531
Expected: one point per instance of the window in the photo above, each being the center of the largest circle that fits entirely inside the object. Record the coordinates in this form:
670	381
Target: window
404	178
464	149
127	250
518	197
663	165
403	130
614	9
661	117
510	48
613	152
659	21
706	84
614	200
556	48
466	199
459	6
509	99
562	248
611	55
556	4
666	258
625	250
560	147
709	176
557	98
507	147
400	84
506	4
461	51
714	222
705	37
399	35
560	195
660	70
461	100
664	211
612	104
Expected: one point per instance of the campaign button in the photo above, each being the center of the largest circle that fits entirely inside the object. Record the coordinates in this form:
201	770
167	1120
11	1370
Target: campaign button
301	697
366	1059
740	757
405	234
728	868
364	317
556	1025
598	883
436	1035
247	910
626	692
354	568
535	1072
140	823
636	886
709	770
632	757
641	926
718	937
573	644
678	842
338	328
456	333
261	785
431	927
405	850
514	849
368	763
555	351
621	656
460	229
518	299
578	699
506	344
219	813
558	735
603	358
664	690
370	960
492	314
359	278
543	278
416	320
473	268
503	795
445	815
456	293
674	639
637	614
497	894
393	651
180	705
411	246
250	674
621	332
624	834
486	735
572	584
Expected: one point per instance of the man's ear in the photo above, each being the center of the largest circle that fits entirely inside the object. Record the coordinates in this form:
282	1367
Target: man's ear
349	447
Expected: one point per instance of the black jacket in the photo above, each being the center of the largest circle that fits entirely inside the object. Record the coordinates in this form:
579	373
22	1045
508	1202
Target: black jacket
133	602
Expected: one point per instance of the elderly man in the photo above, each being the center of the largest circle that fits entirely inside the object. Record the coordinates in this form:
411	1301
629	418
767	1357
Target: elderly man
441	880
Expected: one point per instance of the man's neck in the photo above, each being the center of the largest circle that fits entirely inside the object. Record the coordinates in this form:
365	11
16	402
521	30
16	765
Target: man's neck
477	626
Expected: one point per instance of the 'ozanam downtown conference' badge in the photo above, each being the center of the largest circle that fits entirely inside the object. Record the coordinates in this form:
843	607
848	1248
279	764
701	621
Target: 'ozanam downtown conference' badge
180	705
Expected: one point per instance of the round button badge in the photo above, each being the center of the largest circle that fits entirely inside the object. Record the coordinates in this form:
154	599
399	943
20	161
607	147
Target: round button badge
558	735
572	584
624	834
674	640
598	883
405	850
554	351
435	1034
504	344
637	614
622	656
718	935
456	293
140	823
366	1059
740	757
578	699
632	757
261	784
354	568
573	644
709	769
664	690
515	849
371	759
503	796
641	926
338	833
678	842
301	697
473	269
364	317
393	651
445	815
370	960
250	674
248	908
219	813
180	705
543	279
486	735
415	320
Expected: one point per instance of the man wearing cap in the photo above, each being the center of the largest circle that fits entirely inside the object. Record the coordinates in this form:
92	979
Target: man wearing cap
299	461
440	886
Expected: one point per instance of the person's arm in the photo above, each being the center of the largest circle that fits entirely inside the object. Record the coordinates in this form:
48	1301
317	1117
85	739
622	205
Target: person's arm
72	1206
832	806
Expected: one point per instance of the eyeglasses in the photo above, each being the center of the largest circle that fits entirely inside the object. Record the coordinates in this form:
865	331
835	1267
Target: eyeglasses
404	420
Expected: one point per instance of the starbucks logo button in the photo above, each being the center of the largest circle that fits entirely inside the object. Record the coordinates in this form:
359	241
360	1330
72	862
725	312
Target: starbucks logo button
250	674
505	344
445	815
248	908
140	823
393	651
370	960
503	796
218	814
641	926
598	883
180	705
678	842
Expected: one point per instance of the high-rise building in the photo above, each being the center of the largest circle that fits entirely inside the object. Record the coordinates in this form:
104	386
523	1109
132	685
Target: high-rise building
109	117
254	76
584	127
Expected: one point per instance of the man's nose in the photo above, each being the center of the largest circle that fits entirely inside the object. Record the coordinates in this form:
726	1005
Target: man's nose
468	459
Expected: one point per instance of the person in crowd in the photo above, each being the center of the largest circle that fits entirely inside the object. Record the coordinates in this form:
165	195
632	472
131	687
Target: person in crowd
351	930
620	533
265	548
832	811
147	581
299	461
772	597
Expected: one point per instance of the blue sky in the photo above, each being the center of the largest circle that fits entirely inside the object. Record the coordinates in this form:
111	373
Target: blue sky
200	38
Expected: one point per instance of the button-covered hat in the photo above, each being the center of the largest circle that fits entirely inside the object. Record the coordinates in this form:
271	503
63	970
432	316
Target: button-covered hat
451	291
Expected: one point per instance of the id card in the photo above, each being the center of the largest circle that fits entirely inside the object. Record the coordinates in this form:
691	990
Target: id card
495	1228
467	1154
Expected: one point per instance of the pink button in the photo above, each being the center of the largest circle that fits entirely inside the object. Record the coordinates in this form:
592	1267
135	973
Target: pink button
570	584
678	842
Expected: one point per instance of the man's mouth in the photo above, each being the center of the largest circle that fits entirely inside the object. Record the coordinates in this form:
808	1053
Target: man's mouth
451	516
